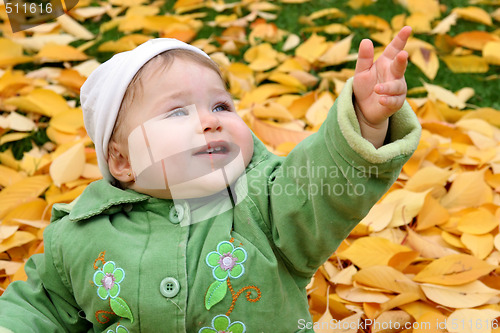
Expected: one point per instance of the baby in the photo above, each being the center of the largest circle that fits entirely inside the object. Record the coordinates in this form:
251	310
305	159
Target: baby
196	227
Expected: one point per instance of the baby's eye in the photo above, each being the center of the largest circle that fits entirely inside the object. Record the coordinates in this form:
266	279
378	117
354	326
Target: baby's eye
178	112
221	107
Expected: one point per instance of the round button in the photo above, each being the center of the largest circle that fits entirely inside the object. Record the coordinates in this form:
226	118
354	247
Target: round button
169	287
176	214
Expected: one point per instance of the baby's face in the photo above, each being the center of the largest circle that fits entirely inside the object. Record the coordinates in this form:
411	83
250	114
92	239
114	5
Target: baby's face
185	139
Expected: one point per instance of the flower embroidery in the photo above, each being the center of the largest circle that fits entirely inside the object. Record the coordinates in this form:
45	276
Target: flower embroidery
222	324
108	279
227	261
119	329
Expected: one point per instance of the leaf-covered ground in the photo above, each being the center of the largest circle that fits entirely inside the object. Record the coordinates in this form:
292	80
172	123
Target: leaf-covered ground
427	253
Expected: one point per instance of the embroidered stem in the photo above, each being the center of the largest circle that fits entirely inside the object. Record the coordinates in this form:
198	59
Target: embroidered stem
103	313
236	295
100	258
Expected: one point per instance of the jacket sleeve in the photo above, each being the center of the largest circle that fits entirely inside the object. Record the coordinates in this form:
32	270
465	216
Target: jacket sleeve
44	302
329	182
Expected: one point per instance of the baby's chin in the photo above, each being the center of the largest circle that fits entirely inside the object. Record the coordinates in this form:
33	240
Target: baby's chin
204	186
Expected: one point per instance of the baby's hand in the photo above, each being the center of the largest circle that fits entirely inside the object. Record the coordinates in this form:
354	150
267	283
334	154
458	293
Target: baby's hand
380	87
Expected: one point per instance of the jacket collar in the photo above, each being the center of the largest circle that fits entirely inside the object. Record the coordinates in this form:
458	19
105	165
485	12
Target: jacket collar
101	196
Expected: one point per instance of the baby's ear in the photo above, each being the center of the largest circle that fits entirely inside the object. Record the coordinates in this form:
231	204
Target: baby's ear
118	163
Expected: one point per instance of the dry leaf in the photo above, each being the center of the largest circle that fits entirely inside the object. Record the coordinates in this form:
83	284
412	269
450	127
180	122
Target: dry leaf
426	59
371	251
491	52
453	270
463	296
471	321
474	14
69	165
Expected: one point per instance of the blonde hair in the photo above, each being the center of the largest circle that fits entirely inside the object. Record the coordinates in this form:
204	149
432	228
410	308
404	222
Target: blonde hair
163	61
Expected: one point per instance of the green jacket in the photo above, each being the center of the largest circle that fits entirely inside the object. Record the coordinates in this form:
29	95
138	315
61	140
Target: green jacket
120	261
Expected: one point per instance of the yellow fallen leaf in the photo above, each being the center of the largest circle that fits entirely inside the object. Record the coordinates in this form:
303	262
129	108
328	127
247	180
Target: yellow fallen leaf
299	107
34	210
426	59
292	41
261	57
419	22
474	14
444	95
480	245
353	294
357	4
469	222
68	121
431	214
408	205
263	92
371	251
394	318
454	270
430	322
452	240
445	25
51	52
11	53
344	276
475	40
6	231
428	247
276	135
11	82
272	110
337	53
312	48
22	191
69	165
428	178
491	52
463	296
287	80
333	28
419	310
43	101
369	22
318	111
466	64
9	176
428	7
10	267
66	197
471	321
73	27
379	216
387	279
469	189
402	260
17	239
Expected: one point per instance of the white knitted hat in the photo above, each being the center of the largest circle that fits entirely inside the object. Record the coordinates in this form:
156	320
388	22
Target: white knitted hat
102	93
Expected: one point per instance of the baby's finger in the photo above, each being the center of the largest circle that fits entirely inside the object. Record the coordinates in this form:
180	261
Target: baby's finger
398	66
398	43
391	88
392	102
365	56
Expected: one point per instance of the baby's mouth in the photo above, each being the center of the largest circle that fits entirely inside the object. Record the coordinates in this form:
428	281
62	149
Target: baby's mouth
213	148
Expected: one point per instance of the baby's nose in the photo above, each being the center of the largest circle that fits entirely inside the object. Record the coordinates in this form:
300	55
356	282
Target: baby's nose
210	123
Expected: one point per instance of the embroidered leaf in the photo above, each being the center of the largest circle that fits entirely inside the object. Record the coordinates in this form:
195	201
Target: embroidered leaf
215	293
120	307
